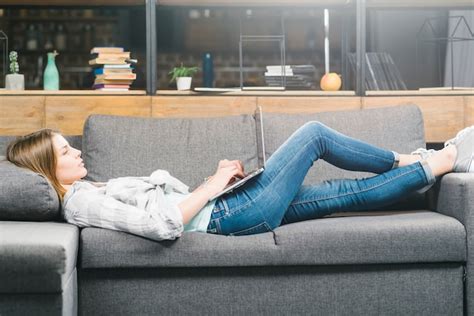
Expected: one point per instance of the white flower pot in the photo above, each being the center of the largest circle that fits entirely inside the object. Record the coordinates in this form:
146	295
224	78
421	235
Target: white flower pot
15	82
183	83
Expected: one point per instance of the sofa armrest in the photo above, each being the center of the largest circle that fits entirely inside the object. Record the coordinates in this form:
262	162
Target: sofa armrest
456	199
37	257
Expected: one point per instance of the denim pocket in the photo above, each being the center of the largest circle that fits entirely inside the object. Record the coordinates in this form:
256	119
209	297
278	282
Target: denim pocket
257	229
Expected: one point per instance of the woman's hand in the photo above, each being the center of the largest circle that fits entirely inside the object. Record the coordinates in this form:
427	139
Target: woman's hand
236	163
226	173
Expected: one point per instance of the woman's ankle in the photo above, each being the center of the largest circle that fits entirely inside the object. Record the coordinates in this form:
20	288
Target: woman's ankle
406	160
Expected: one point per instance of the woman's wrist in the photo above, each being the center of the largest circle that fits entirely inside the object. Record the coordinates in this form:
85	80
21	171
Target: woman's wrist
210	189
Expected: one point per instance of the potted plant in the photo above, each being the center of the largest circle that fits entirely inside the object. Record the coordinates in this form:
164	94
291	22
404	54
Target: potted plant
14	80
183	76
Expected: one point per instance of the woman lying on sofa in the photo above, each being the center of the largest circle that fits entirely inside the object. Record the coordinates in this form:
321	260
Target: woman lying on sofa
160	207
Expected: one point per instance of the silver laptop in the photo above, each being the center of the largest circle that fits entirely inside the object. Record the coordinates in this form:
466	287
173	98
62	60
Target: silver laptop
260	157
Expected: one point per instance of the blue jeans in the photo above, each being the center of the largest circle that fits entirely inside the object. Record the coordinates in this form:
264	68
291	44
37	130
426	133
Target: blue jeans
277	197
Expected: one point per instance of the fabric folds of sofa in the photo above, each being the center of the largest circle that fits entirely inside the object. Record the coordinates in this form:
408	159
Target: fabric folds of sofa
408	237
26	195
392	289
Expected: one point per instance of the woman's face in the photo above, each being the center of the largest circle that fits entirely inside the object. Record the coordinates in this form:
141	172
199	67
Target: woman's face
69	166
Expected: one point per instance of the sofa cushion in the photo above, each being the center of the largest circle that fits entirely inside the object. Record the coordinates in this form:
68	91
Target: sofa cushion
375	238
37	257
26	195
190	149
398	128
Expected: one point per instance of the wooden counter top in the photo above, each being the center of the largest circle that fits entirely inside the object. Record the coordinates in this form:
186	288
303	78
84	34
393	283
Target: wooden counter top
288	93
421	92
4	92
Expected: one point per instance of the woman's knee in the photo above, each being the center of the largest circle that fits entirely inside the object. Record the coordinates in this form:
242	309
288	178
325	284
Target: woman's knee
315	128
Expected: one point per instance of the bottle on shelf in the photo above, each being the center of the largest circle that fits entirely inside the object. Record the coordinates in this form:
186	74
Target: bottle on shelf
51	74
87	34
31	38
48	42
75	38
60	38
207	70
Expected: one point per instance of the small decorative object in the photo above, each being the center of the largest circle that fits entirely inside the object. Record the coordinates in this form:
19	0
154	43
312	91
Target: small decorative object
183	76
51	74
257	36
326	40
14	80
207	70
331	82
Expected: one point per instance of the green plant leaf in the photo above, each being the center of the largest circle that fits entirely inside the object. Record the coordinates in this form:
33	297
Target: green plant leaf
14	67
182	71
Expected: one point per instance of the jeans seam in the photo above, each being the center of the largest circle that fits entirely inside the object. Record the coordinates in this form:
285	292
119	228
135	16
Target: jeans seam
426	168
218	209
264	223
355	151
362	191
216	223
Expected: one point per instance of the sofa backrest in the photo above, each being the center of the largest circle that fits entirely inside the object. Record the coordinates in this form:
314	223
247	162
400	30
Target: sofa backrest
397	128
190	149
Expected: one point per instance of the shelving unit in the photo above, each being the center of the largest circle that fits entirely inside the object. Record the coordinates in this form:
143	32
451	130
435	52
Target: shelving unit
33	33
438	7
358	7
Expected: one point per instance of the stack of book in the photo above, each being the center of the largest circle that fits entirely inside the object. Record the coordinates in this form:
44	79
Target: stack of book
112	69
381	73
293	77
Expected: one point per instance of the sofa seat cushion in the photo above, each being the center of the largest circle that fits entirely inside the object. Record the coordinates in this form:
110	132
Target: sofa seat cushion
375	238
37	257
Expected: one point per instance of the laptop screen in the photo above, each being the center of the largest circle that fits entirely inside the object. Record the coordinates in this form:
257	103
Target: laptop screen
261	160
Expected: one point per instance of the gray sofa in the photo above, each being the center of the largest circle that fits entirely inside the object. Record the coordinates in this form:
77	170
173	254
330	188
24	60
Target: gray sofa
412	258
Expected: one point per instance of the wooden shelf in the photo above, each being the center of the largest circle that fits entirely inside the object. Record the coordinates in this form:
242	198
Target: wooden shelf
297	93
66	111
419	3
439	92
4	92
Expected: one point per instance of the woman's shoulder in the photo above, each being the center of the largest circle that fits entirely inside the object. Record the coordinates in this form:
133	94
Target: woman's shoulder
83	188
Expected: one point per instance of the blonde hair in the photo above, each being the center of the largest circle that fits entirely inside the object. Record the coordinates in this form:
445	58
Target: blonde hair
36	152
